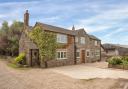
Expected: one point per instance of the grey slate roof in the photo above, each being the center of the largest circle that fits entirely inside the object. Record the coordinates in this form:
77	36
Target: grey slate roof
93	37
63	30
55	29
115	46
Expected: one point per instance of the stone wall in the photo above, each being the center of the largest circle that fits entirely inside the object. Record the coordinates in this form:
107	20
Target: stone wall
26	45
89	45
62	62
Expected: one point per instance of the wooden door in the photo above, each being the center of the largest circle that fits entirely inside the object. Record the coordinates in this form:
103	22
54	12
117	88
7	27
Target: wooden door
35	57
83	56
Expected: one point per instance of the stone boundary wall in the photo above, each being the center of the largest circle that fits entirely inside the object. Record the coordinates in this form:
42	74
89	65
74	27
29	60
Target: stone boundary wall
125	67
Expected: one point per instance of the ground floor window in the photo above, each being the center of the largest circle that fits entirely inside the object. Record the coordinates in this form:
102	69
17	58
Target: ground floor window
78	54
92	53
97	52
88	53
61	55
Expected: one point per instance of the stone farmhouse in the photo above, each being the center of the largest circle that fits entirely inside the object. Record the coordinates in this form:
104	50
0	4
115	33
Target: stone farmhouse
79	47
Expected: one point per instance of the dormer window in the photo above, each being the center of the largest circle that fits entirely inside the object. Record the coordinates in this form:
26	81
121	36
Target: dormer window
82	40
61	38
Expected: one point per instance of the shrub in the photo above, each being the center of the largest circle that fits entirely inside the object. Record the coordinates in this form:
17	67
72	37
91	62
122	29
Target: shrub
20	58
125	58
124	62
115	60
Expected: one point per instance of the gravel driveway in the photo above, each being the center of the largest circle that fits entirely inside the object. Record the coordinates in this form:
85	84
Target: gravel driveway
48	79
94	70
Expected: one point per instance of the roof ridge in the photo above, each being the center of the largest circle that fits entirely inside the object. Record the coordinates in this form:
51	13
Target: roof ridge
53	26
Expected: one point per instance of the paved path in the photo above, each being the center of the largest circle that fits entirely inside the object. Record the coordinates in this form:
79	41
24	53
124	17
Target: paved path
87	71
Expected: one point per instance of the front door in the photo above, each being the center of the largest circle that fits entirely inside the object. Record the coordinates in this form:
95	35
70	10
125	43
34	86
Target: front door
35	57
83	56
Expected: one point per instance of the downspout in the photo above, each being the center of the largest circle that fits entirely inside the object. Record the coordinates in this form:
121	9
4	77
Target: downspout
100	51
75	62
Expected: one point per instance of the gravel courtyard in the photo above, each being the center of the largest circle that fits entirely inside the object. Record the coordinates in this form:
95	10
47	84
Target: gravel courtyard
91	70
48	79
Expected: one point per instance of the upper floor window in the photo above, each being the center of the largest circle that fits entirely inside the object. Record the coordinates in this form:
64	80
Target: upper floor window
76	39
61	38
96	43
82	40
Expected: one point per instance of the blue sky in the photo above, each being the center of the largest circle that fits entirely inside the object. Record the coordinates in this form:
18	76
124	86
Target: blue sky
106	19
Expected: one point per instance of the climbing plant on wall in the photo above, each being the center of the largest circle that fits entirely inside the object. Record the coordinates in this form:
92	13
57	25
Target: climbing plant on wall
46	42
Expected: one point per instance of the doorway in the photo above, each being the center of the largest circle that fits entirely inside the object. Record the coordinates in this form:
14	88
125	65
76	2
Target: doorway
82	56
35	57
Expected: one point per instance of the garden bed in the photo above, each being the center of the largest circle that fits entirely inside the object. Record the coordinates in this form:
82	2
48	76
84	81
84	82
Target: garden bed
118	66
118	62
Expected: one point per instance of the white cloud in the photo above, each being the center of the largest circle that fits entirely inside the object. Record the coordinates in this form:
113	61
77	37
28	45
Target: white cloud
104	16
105	19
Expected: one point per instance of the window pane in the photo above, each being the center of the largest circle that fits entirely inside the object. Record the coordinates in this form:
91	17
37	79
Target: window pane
61	54
97	53
58	54
76	39
77	54
61	38
96	43
88	53
64	54
82	40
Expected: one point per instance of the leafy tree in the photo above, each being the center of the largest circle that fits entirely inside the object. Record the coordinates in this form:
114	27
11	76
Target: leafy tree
5	27
14	36
46	42
16	28
4	37
9	37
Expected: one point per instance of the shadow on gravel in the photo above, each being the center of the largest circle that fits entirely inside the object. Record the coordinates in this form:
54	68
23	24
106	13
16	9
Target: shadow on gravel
107	83
120	84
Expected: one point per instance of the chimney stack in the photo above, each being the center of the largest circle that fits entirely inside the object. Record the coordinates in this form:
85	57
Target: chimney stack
73	28
26	19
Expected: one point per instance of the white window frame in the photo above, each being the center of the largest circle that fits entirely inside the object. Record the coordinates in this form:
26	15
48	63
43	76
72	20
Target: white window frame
78	51
92	53
96	42
88	51
76	39
82	40
97	53
63	54
62	38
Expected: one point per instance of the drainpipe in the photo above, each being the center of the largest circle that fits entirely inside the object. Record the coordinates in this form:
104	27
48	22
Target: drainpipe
75	62
100	51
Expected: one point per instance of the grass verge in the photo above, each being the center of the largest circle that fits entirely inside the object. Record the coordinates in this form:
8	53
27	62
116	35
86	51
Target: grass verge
14	66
